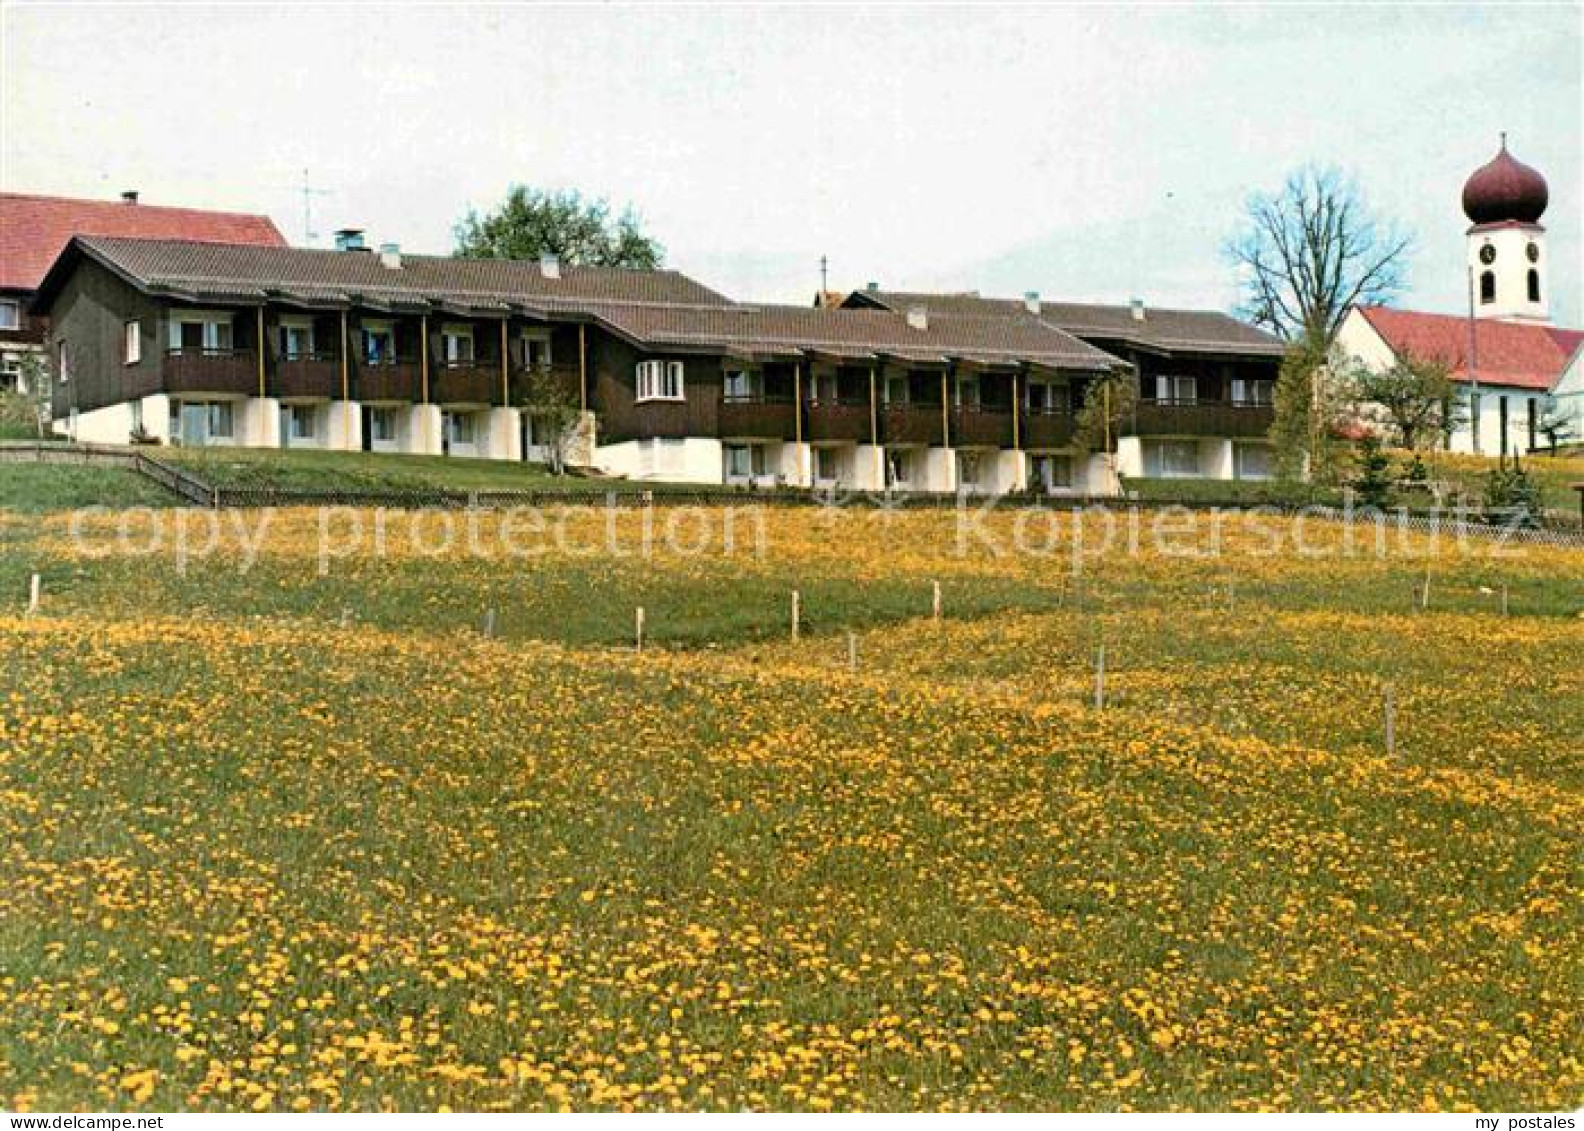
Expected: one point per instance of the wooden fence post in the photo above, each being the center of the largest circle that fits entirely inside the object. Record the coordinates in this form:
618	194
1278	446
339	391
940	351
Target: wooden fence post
935	601
1390	707
852	651
638	627
1099	692
797	613
35	593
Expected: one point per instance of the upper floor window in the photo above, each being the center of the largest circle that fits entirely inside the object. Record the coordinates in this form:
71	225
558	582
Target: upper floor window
660	381
296	338
1487	286
197	331
968	392
10	314
1042	396
456	342
738	384
896	390
1534	285
62	362
1252	392
1176	390
132	343
379	343
536	350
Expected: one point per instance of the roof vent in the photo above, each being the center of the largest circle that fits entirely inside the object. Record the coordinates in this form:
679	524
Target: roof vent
349	239
129	196
1136	307
390	255
550	265
872	288
1031	302
918	317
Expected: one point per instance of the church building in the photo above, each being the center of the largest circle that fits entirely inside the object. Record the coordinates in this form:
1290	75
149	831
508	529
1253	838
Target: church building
1517	372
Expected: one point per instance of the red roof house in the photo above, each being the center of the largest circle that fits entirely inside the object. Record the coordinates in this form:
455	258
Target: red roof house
34	229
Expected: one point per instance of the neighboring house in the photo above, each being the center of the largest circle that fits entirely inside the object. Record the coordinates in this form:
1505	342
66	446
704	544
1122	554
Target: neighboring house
215	344
1206	381
1506	357
34	230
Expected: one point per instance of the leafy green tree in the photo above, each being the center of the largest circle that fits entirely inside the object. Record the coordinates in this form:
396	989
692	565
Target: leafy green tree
554	410
1416	394
1310	411
533	222
1373	480
1555	424
1107	402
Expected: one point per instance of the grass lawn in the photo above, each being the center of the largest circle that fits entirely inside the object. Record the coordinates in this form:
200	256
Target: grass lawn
261	857
46	487
1555	475
322	470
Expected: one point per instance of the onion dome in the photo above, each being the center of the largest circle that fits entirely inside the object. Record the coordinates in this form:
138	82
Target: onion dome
1505	189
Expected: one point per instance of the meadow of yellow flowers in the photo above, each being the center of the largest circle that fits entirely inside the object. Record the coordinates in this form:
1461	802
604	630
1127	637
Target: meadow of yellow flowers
301	836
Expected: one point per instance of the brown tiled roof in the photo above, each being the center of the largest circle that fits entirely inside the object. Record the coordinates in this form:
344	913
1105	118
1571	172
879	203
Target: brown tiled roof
220	272
658	309
1165	330
768	329
34	229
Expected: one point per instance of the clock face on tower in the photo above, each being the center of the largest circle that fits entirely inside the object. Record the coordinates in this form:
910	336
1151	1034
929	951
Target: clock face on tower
1533	252
1487	255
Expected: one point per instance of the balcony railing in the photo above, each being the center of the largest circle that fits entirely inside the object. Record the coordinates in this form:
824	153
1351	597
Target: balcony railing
981	426
844	418
307	375
758	415
910	423
1046	427
1199	418
477	380
389	378
208	369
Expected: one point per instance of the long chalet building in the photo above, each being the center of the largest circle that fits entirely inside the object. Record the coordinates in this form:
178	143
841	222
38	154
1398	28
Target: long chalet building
201	343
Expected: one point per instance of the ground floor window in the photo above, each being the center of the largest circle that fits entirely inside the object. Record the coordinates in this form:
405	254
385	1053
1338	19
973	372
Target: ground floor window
201	422
11	373
899	467
1171	459
382	425
827	465
744	461
459	428
1051	472
970	465
1252	461
300	421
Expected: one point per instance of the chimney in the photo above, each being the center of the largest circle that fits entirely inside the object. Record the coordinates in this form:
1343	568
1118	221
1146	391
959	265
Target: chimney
349	239
1031	302
873	288
1137	309
918	317
129	196
550	265
390	255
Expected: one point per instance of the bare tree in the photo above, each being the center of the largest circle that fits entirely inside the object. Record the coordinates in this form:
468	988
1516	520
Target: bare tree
1312	250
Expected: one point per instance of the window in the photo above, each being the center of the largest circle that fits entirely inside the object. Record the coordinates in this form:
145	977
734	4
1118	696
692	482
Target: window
136	407
10	314
459	427
1052	472
536	350
1251	461
296	339
132	343
1502	421
1044	397
827	465
379	343
968	392
63	362
824	388
220	419
1172	459
738	385
11	373
660	381
457	343
1534	423
1246	392
199	332
1534	285
1487	286
1176	390
300	420
899	467
744	461
968	467
896	390
382	425
1476	406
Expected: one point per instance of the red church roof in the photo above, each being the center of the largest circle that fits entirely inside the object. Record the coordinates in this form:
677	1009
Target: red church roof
33	229
1519	354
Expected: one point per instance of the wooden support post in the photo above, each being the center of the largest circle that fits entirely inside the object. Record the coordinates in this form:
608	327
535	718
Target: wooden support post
1389	704
638	628
874	427
35	593
505	364
945	410
1017	412
797	614
583	368
1099	689
261	385
797	421
346	384
423	358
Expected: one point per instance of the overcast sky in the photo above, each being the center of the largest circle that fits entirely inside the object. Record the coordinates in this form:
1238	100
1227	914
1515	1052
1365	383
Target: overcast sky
1094	153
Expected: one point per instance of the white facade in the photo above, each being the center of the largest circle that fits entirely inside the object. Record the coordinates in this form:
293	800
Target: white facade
1507	266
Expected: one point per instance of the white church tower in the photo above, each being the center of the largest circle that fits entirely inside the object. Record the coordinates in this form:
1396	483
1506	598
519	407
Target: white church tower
1507	256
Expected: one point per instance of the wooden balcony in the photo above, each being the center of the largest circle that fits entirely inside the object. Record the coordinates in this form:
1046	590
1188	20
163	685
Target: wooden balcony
910	424
307	375
467	382
193	369
396	379
758	416
840	419
1046	428
1201	418
981	426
